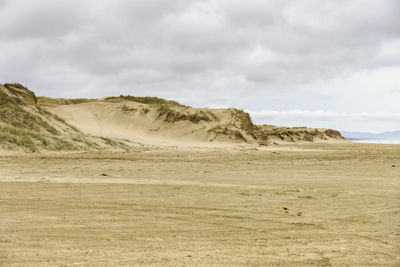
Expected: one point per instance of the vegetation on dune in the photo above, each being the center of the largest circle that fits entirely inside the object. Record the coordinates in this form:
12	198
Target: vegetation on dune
145	100
26	124
28	140
171	115
28	127
25	139
15	85
45	113
233	134
293	134
53	102
127	109
114	143
242	121
14	114
24	95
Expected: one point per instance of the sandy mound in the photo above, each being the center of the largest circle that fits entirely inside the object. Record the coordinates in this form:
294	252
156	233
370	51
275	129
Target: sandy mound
19	92
45	123
300	134
155	120
165	122
28	127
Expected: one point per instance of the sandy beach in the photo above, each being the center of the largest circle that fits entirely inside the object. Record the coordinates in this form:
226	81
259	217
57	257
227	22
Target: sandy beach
309	205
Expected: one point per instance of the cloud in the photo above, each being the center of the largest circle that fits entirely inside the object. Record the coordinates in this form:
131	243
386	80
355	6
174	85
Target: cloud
322	115
254	54
367	122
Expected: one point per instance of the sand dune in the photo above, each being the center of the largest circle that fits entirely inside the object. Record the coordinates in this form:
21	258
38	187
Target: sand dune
177	124
219	193
162	123
35	124
26	126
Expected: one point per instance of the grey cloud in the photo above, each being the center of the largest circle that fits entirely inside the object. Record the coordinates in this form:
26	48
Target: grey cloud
324	115
382	121
218	53
39	19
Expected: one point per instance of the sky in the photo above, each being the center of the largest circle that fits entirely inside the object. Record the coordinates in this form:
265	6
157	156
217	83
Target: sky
332	64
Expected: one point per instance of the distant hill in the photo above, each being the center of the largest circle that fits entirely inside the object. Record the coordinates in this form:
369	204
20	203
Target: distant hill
366	135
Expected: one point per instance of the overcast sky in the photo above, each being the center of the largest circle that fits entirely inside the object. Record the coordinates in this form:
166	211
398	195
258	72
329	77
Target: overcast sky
317	63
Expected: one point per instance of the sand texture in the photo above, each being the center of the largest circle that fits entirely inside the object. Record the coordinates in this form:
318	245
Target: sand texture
298	205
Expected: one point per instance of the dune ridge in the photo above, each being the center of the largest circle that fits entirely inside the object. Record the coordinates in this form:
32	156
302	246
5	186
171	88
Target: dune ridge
35	123
26	126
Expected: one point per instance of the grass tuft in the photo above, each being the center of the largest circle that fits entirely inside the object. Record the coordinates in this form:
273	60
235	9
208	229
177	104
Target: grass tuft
145	100
171	115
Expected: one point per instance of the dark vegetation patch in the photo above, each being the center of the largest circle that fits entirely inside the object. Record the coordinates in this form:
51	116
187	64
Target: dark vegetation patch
114	143
242	121
27	128
13	113
15	85
171	115
230	133
26	95
28	140
53	102
25	139
145	100
127	109
293	134
31	141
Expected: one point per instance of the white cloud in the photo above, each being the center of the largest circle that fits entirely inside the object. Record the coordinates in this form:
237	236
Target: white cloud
255	54
368	122
322	115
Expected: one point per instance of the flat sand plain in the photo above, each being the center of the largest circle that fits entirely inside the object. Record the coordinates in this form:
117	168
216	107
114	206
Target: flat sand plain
300	205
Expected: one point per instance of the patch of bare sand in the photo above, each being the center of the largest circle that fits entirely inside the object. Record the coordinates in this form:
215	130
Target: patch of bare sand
336	204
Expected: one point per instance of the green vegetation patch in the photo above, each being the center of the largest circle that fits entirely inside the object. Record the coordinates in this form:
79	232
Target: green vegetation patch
53	102
11	137
171	115
230	133
13	113
27	140
145	100
114	143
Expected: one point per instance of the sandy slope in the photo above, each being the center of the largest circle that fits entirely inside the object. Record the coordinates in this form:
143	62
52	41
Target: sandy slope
183	126
314	205
26	124
142	123
108	119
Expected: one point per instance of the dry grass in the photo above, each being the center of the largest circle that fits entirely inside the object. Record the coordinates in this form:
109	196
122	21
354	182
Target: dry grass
24	95
53	102
28	129
144	100
13	138
293	134
172	115
242	120
14	114
224	130
113	143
